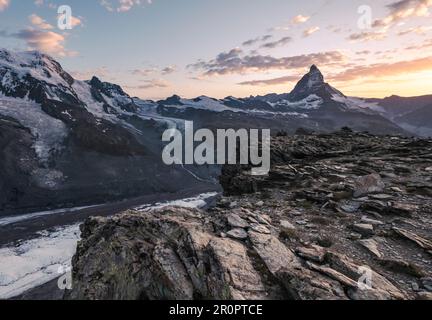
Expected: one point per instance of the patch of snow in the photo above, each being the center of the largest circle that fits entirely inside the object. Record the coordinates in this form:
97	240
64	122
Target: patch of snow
194	202
311	102
49	132
35	262
14	219
33	63
204	103
83	91
358	104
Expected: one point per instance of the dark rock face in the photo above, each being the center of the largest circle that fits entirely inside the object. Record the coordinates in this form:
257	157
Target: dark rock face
298	233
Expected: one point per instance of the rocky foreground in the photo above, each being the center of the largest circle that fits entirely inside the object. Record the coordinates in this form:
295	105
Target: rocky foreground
340	216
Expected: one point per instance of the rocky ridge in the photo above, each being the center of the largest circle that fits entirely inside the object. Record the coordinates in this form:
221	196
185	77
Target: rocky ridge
334	209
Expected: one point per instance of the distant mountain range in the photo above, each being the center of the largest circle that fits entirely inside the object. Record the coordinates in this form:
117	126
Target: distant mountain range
66	142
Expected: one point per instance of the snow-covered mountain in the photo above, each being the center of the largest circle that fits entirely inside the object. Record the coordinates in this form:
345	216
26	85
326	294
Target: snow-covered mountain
66	142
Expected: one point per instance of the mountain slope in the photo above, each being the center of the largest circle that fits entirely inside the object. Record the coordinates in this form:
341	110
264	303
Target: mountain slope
68	142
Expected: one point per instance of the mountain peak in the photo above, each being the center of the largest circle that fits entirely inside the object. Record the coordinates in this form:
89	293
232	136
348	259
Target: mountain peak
314	68
311	83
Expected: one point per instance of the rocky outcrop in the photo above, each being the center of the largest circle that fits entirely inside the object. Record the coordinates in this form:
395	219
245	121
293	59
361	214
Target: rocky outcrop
340	216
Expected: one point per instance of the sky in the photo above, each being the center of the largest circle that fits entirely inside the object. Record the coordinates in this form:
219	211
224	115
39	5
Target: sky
219	48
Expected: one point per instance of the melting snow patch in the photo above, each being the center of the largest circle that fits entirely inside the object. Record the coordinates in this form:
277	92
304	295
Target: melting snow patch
35	262
357	104
199	201
48	131
309	103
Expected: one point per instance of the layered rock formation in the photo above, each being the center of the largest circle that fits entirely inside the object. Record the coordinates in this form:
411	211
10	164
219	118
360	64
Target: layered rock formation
340	216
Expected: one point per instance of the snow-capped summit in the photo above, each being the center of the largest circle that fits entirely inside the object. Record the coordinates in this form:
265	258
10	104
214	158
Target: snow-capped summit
313	83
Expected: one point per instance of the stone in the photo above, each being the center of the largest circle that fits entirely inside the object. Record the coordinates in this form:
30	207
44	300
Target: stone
402	209
350	206
238	233
313	253
396	189
236	221
383	197
363	229
301	222
401	266
300	282
427	296
354	236
260	228
285	225
373	222
421	242
368	184
372	246
427	283
382	289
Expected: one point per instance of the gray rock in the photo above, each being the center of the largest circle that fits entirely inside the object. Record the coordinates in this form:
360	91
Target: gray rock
260	229
363	229
372	246
313	253
427	283
236	221
239	234
368	184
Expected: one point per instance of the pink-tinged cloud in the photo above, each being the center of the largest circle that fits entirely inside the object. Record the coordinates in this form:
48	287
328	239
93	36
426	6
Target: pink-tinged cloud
310	31
404	9
39	22
46	41
122	5
4	4
368	36
235	62
271	82
300	19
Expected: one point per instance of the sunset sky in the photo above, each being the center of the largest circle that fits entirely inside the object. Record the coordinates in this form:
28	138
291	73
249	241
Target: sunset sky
156	48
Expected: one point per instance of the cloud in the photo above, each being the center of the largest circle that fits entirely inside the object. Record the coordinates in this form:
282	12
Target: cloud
168	70
39	22
251	42
270	82
152	83
422	30
425	45
235	62
310	31
122	5
46	41
380	70
404	9
278	43
144	72
4	4
299	19
368	36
